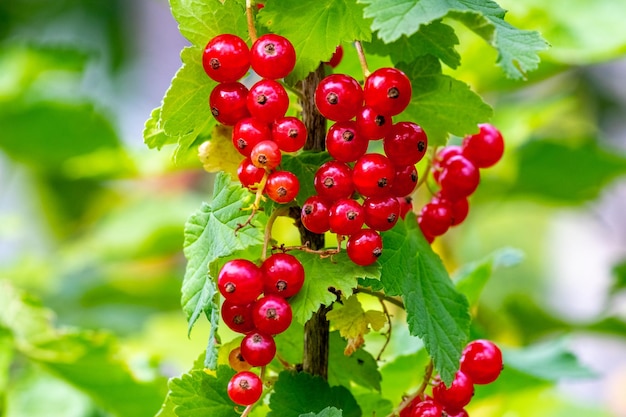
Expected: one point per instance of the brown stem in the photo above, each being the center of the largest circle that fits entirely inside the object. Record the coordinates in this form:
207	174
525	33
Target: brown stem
250	18
428	373
361	53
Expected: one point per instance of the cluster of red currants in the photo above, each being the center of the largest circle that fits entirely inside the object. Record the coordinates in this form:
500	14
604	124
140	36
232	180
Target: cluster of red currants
255	305
261	131
456	170
481	363
360	115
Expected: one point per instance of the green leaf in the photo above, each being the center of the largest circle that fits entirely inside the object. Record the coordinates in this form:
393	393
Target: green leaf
153	134
436	312
201	20
353	322
328	23
619	271
300	393
327	412
199	394
472	278
440	104
360	367
304	165
337	272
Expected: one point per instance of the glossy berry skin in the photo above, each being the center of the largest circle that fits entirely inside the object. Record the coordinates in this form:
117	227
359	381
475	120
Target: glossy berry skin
289	133
364	247
266	154
333	181
381	213
248	132
406	144
373	125
226	58
455	397
314	214
228	103
344	143
346	217
441	159
406	205
485	148
249	175
459	209
245	388
258	348
405	180
283	275
240	281
461	413
272	56
267	100
427	408
459	178
435	218
336	58
482	361
373	175
339	97
237	362
271	314
238	317
282	186
388	91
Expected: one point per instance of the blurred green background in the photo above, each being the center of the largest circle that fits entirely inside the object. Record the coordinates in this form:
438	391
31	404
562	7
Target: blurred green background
91	221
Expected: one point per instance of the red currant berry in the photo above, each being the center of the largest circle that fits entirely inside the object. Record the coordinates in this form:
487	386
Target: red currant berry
372	125
283	275
459	208
226	58
258	348
381	213
405	180
238	317
485	148
427	408
346	217
335	59
272	56
240	281
237	362
272	314
248	132
373	175
339	97
228	103
249	175
333	180
406	205
289	133
455	397
459	178
282	186
461	413
406	144
435	218
388	91
482	361
314	215
245	388
442	158
364	247
266	154
267	100
344	143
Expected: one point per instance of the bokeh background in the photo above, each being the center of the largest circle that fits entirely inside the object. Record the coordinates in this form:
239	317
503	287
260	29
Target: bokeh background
91	220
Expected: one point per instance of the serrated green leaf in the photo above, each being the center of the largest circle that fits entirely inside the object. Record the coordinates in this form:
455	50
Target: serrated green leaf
300	393
199	394
360	367
321	274
441	104
374	284
327	412
328	23
153	134
353	322
436	312
304	165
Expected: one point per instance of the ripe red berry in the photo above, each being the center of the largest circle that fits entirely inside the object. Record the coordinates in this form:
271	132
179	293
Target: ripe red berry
364	247
240	281
427	408
339	97
226	58
267	100
271	314
346	217
335	59
228	103
459	208
406	144
344	143
404	181
435	218
314	215
459	178
373	175
283	275
381	213
289	133
485	148
455	397
237	362
272	56
388	91
258	348
266	154
238	317
441	159
245	388
248	132
482	361
282	186
406	205
373	125
461	413
249	175
333	180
